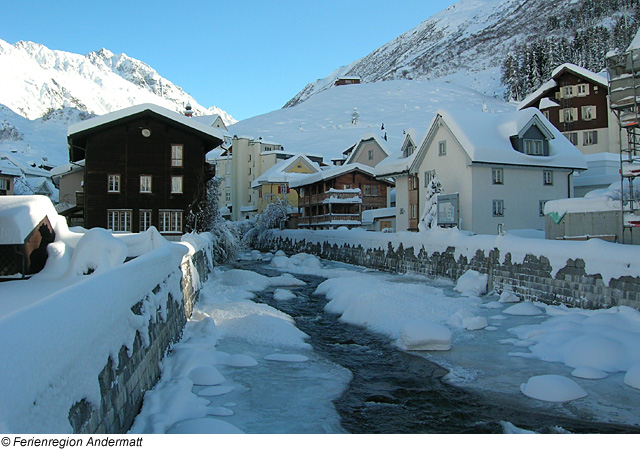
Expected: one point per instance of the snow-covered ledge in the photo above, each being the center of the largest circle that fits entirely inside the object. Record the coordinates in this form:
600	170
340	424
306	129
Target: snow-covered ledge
84	338
588	274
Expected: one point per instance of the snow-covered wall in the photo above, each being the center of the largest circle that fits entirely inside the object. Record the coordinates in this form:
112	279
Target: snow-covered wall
591	274
81	358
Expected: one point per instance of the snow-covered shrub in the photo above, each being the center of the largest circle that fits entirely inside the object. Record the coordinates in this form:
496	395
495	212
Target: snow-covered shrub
429	219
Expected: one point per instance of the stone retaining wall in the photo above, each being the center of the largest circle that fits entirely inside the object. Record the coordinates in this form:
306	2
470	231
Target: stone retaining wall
532	279
124	382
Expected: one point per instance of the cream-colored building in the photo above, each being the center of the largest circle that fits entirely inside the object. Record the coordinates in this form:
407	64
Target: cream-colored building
496	170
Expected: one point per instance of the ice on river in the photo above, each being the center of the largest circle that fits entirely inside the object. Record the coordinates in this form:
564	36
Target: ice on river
544	362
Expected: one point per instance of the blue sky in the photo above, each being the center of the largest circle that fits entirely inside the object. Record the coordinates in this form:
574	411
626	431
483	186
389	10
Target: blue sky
246	57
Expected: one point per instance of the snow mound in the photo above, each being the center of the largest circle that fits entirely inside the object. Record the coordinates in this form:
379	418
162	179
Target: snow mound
97	251
523	309
214	391
508	297
632	377
283	295
206	376
552	388
239	361
589	373
286	357
424	335
509	428
205	425
474	323
472	284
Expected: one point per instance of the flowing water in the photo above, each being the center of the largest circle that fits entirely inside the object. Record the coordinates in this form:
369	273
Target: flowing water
398	392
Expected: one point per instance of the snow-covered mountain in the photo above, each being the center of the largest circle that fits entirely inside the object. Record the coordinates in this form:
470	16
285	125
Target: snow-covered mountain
43	81
466	43
323	125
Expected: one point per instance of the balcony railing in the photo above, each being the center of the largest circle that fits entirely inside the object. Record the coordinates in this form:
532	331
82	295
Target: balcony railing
330	219
331	197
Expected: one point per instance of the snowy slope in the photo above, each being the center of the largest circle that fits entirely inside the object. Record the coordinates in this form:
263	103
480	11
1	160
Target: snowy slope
322	125
465	43
43	80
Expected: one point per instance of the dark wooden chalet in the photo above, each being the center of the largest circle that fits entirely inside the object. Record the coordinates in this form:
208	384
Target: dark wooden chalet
575	102
337	197
25	232
144	166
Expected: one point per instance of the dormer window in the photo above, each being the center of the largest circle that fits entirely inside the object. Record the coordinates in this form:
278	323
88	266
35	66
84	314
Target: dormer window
533	147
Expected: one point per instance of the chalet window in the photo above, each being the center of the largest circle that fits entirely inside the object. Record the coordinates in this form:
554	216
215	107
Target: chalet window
572	136
588	112
567	91
546	114
171	221
176	155
497	176
582	90
370	155
374	190
547	177
5	184
119	220
568	115
113	183
346	186
590	137
367	190
498	208
408	151
145	184
541	204
145	219
249	170
442	148
227	196
533	147
414	213
176	184
413	183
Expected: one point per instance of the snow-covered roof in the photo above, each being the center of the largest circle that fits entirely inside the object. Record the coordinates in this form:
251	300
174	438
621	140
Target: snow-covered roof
331	173
397	163
370	215
7	159
67	168
486	138
279	172
20	214
546	102
551	84
137	109
8	168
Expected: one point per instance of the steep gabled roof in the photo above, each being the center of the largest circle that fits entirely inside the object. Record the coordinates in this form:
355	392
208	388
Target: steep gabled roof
367	137
486	138
126	113
279	173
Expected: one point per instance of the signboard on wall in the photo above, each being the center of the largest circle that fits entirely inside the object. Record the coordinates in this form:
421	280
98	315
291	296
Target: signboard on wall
448	210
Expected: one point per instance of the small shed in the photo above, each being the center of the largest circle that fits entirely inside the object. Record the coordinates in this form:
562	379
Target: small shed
26	228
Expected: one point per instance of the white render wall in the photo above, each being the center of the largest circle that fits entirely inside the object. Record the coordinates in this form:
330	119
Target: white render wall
521	192
454	172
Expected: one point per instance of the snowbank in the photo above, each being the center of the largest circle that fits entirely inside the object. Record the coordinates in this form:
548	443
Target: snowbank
552	388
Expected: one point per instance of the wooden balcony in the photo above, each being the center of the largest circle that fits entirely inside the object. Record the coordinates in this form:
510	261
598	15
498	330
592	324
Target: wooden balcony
330	197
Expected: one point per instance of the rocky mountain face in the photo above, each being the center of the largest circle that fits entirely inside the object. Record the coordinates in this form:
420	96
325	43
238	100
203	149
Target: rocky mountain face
44	82
466	43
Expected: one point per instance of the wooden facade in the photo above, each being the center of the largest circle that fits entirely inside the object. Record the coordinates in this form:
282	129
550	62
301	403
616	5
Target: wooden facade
340	200
142	170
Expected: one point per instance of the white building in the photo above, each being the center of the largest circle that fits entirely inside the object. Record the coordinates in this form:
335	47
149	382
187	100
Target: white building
498	169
